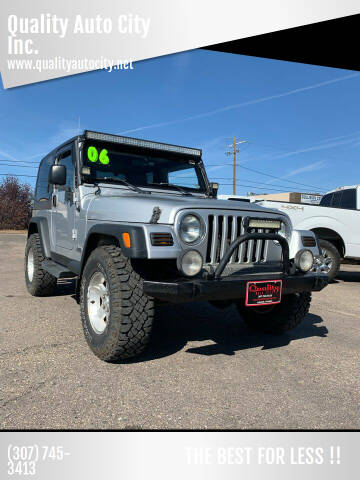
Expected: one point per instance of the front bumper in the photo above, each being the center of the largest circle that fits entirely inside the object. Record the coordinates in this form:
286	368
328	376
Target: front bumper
217	287
230	288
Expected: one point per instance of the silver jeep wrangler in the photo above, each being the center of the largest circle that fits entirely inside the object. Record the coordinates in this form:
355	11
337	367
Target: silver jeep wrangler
138	223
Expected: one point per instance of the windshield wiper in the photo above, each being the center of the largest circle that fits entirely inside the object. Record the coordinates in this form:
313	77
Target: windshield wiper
123	182
172	185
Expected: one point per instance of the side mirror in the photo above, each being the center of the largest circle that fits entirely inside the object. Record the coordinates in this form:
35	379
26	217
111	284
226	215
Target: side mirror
57	175
214	187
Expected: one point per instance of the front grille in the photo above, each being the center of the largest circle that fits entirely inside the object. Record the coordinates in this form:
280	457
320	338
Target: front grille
224	229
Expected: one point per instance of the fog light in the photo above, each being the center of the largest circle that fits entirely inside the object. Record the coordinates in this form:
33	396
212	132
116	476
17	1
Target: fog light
190	263
304	260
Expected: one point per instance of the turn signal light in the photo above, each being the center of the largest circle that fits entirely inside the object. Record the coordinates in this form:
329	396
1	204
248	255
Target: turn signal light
161	239
308	241
126	238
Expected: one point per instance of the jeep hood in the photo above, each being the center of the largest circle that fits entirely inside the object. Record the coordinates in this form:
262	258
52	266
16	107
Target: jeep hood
123	206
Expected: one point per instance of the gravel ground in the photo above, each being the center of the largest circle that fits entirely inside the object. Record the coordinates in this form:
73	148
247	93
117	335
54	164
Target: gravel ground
203	370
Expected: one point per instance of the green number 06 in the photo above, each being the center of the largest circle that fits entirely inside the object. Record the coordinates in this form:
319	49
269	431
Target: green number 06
93	155
104	159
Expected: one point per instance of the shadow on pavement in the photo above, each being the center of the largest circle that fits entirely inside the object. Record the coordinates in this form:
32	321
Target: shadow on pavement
176	325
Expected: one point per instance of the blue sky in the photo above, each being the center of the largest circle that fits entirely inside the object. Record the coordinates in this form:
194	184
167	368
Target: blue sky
301	122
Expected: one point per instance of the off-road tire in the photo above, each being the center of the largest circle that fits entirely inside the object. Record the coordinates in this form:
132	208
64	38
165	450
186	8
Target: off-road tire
332	252
130	320
42	283
277	318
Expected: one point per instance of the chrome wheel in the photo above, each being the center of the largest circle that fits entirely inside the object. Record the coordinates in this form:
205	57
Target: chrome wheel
30	265
323	263
98	302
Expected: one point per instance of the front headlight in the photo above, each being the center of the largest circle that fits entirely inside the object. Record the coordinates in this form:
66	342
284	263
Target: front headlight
191	229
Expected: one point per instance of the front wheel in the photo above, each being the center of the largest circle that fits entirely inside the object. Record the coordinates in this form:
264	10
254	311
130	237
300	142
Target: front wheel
116	314
277	318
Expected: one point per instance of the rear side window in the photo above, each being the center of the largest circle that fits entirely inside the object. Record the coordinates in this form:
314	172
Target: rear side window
336	201
348	199
326	200
43	188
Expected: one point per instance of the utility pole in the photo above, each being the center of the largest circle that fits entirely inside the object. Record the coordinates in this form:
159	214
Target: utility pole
234	151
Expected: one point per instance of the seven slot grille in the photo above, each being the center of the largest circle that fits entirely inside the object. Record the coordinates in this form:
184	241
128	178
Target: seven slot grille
224	229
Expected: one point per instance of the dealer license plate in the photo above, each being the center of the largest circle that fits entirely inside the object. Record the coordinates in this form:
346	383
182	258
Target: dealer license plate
265	292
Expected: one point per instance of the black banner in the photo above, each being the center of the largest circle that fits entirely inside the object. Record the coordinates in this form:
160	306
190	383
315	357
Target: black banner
332	44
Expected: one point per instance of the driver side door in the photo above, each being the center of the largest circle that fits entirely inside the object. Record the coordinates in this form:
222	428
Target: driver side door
63	204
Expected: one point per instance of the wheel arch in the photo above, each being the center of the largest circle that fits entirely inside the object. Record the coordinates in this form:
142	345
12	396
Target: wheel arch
331	236
40	225
95	240
110	234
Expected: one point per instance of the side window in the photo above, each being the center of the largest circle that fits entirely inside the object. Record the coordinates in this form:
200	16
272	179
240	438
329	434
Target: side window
66	159
326	200
336	201
184	178
348	199
43	188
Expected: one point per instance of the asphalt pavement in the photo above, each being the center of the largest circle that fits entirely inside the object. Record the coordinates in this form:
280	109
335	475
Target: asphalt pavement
203	370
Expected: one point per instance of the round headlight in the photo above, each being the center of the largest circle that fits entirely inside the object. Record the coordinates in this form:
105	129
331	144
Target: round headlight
191	229
304	260
190	263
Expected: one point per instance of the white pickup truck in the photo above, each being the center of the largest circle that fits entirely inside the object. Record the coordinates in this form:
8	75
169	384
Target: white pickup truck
336	222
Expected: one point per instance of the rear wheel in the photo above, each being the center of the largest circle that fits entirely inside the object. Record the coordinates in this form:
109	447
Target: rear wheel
277	318
329	262
39	282
116	314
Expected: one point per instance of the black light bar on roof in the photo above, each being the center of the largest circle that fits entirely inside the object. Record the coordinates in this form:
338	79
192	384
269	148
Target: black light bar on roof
136	142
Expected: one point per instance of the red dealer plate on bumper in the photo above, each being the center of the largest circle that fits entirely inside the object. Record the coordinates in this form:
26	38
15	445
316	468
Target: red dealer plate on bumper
265	292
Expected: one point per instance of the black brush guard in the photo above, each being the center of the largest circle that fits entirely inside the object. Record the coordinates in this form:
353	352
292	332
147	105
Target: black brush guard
212	286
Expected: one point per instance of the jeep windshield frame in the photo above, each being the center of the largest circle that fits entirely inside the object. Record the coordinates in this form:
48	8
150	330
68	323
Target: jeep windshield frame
142	167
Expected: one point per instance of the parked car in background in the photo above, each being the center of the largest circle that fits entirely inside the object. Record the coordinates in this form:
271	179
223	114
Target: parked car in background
335	221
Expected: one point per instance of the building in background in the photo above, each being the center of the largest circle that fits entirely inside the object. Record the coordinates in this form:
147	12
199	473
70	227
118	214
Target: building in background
293	197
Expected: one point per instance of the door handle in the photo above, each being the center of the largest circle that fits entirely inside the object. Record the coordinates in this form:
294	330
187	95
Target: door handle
54	200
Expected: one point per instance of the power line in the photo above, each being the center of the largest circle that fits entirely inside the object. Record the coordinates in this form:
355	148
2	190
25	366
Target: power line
15	175
265	174
253	186
256	186
15	165
256	183
278	178
18	161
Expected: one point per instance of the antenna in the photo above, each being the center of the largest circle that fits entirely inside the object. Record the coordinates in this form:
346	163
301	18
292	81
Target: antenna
79	125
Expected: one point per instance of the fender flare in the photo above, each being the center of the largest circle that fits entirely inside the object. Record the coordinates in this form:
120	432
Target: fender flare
40	225
138	248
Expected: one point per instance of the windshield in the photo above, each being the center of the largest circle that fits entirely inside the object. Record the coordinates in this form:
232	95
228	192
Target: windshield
110	162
